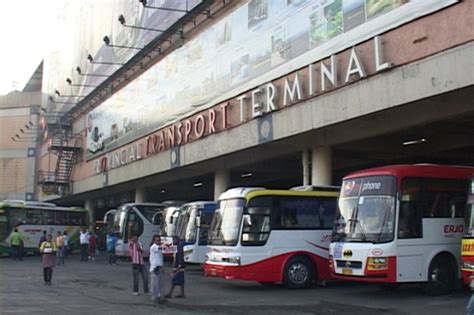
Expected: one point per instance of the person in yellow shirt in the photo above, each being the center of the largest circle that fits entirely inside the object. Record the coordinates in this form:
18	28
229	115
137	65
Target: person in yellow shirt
48	249
59	248
16	240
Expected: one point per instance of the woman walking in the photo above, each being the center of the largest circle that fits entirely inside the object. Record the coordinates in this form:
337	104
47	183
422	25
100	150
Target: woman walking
47	249
177	277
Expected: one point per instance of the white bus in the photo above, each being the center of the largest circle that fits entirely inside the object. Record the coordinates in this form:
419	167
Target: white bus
32	218
142	219
400	224
272	236
193	227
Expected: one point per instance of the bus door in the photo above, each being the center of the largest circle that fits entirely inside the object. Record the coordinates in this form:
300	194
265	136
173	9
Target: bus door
4	228
134	225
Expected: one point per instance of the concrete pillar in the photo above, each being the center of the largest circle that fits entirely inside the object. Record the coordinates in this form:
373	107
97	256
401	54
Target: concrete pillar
321	173
221	182
306	166
140	194
90	207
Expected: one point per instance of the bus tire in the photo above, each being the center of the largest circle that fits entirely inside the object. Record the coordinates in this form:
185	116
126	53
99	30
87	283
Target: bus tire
298	273
441	276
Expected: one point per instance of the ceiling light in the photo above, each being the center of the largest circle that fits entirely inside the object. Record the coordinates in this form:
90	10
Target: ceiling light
413	142
197	184
244	175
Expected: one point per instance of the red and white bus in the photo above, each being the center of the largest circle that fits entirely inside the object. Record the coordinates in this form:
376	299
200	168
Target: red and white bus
272	236
467	248
400	224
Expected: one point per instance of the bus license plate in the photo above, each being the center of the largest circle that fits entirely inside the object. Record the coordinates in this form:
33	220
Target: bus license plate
347	271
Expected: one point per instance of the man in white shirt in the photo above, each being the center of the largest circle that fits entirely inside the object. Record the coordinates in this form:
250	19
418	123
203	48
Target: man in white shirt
84	241
156	270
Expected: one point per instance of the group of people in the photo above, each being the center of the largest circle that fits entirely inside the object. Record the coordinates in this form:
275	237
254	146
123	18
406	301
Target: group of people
156	269
88	243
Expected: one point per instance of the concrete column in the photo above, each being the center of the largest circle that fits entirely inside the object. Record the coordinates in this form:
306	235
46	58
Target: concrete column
140	194
221	182
321	166
306	167
90	207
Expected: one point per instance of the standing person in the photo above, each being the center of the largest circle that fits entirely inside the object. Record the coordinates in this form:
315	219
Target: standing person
84	241
59	241
92	245
47	249
111	242
136	253
42	239
177	277
156	270
66	244
15	240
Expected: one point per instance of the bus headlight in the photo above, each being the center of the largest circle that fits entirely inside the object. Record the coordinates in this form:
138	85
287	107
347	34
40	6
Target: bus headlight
331	263
377	263
468	265
235	260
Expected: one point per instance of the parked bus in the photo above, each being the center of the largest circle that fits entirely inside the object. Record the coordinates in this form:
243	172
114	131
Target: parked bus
32	218
193	227
401	223
467	248
272	236
142	219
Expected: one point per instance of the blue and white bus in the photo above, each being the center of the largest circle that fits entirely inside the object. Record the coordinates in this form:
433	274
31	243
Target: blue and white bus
193	227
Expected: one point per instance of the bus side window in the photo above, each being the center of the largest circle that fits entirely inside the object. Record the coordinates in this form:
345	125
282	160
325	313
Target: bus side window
34	216
445	198
410	214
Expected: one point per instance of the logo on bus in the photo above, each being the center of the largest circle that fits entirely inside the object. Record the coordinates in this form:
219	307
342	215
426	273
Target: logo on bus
451	228
377	252
347	253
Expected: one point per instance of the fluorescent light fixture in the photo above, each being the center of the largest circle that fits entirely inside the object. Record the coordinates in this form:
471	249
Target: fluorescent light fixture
413	142
197	184
163	191
244	175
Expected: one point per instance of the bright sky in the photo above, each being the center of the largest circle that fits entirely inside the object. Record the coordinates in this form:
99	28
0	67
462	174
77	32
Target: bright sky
26	35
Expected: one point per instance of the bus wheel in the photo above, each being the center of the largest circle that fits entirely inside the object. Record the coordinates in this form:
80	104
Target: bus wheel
440	277
299	273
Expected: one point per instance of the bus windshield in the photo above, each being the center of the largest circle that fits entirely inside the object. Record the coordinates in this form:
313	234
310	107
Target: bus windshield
225	224
187	224
366	210
469	214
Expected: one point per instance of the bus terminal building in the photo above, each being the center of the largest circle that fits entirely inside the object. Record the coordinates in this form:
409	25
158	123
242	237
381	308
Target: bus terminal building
250	93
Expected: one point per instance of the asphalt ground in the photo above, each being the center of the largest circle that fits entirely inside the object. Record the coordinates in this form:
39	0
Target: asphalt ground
96	287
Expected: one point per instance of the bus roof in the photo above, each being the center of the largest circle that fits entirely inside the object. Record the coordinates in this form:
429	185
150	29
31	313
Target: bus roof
250	192
36	205
199	203
420	170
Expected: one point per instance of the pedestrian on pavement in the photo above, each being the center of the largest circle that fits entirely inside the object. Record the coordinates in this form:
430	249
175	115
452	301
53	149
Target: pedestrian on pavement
47	249
42	239
156	270
16	240
66	244
59	241
84	241
92	245
177	276
111	242
138	266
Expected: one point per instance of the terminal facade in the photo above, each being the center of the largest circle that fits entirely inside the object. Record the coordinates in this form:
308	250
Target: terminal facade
253	93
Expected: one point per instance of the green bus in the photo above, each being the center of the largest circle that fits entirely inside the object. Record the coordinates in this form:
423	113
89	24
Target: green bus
31	218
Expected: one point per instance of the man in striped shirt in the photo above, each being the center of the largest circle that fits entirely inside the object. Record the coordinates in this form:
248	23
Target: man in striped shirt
136	253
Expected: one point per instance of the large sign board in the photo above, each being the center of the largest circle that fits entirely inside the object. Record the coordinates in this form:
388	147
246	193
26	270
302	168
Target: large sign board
254	43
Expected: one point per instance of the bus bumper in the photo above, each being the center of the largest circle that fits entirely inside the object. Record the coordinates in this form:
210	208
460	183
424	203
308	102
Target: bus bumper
222	271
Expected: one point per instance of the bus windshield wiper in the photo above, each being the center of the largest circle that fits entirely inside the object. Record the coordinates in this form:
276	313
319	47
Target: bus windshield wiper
362	232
